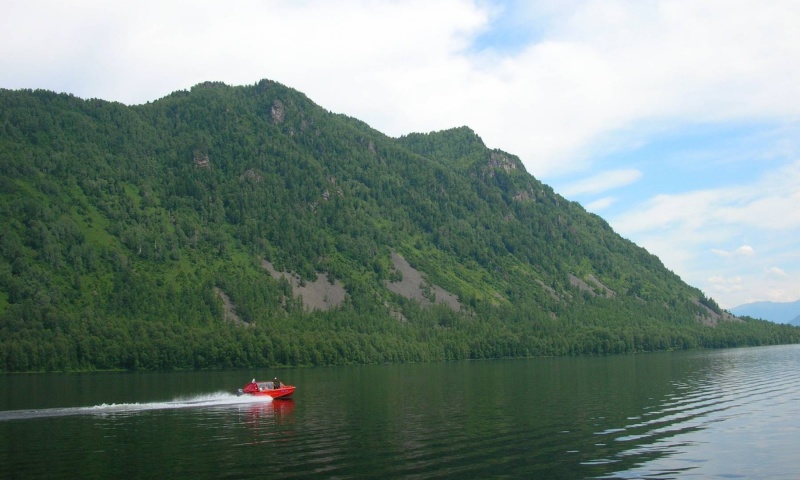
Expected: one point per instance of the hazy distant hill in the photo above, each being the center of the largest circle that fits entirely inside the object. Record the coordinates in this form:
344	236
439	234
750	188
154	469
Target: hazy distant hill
780	312
247	226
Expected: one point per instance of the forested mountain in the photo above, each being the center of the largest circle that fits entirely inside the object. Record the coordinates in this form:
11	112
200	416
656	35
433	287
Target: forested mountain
247	226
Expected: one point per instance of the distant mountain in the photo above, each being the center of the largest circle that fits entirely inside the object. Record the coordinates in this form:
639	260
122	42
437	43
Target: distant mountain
249	227
778	312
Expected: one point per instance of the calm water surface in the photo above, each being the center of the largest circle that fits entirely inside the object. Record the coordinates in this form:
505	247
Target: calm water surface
713	414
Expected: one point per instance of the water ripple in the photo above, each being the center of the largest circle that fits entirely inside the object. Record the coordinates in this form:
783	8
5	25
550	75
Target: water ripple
690	427
721	414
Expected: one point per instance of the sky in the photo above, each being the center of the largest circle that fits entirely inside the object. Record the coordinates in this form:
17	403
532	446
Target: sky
677	121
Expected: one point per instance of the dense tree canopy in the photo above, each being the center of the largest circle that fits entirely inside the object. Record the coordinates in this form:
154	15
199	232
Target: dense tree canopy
129	231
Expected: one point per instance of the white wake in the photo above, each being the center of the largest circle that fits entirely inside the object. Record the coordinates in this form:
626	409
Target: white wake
218	399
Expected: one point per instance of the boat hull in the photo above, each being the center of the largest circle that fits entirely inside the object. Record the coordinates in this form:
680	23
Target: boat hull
267	389
282	392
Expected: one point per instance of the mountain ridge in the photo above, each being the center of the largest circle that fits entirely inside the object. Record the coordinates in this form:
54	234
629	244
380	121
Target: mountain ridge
779	312
187	233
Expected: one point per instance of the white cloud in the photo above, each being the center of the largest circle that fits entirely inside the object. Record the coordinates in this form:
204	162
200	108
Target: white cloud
602	182
768	203
743	251
614	68
600	204
719	284
777	272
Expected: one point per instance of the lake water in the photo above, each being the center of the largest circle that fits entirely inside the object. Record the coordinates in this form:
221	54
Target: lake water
708	414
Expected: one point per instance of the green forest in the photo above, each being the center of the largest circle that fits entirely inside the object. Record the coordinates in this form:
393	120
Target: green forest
247	226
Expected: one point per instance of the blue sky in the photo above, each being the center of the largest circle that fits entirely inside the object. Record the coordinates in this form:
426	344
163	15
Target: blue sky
675	120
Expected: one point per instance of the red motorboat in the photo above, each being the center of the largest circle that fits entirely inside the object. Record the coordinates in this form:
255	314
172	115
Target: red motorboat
274	389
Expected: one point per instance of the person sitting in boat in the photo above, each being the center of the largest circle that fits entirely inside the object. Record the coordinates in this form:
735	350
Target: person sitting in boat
276	383
251	387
